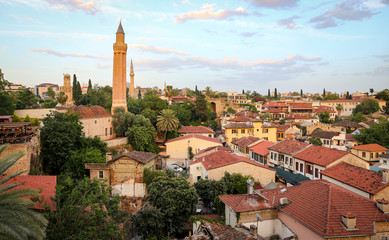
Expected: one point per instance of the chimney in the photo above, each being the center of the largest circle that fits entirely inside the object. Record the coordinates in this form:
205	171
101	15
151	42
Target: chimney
383	205
108	157
250	186
349	221
385	176
253	230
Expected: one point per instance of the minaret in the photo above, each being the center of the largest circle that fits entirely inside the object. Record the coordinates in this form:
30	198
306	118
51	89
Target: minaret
132	88
119	71
164	89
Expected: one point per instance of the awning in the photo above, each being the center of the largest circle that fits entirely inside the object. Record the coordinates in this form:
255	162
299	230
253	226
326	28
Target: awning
289	177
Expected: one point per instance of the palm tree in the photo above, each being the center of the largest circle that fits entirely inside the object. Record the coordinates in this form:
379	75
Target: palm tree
167	121
208	91
339	108
17	220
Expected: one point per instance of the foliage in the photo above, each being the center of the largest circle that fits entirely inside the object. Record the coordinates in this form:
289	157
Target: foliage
213	125
231	110
84	210
282	121
339	108
358	117
183	114
17	220
48	103
50	93
26	99
331	96
201	108
153	102
267	117
209	189
315	141
367	106
60	136
100	96
35	122
62	98
151	115
383	95
141	138
6	103
122	121
251	107
16	118
3	83
167	122
174	198
377	133
150	175
149	223
75	166
324	117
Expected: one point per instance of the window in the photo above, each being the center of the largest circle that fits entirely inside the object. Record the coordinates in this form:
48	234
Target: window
266	138
198	178
95	121
265	130
316	173
242	131
234	131
286	160
309	169
110	131
371	155
301	167
106	131
271	155
101	174
363	154
297	166
109	120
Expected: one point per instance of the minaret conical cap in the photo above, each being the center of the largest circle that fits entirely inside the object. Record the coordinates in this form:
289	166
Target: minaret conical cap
120	28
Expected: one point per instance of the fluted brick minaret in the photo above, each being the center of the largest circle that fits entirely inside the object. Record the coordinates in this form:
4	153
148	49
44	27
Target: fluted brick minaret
132	84
119	71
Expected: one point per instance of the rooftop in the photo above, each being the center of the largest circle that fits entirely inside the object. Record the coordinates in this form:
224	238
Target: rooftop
245	141
91	112
195	129
262	148
238	125
325	134
373	147
320	155
190	136
241	119
143	157
217	148
245	202
361	178
347	124
289	147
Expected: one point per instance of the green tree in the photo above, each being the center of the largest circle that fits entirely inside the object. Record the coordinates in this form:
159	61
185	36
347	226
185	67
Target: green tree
74	89
315	141
141	138
358	117
17	219
383	95
16	118
324	117
90	87
84	210
6	103
183	114
149	223
48	103
150	175
371	91
167	122
153	102
301	93
208	91
122	121
50	93
201	108
75	166
27	119
282	121
62	98
324	92
268	93
339	108
235	183
134	106
275	93
151	115
367	106
3	83
208	190
377	133
26	99
331	96
231	110
60	136
175	198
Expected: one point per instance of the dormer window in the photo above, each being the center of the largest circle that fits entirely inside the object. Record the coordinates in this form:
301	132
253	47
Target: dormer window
383	205
349	221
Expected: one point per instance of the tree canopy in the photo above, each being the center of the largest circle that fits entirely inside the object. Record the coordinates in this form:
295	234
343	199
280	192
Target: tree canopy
367	106
377	133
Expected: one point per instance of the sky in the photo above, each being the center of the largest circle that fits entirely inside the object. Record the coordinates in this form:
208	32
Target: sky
255	45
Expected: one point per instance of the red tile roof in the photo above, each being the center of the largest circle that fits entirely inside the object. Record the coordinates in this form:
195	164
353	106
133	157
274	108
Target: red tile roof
238	125
300	105
273	110
319	155
262	148
289	147
373	147
296	117
325	109
194	136
241	119
45	183
319	205
282	128
361	178
346	124
217	148
221	159
91	112
325	134
143	157
245	202
195	129
221	232
276	104
245	141
249	114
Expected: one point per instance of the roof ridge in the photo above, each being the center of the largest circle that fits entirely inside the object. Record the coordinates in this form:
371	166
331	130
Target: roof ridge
328	208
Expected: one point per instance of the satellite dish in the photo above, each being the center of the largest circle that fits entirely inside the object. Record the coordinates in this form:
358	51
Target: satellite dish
259	218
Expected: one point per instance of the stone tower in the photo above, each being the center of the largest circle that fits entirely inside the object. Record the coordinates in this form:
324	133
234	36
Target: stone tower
119	71
132	88
67	89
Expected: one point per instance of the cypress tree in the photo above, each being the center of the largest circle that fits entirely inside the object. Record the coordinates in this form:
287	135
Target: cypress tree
324	92
275	92
139	94
243	91
89	86
301	92
268	92
74	85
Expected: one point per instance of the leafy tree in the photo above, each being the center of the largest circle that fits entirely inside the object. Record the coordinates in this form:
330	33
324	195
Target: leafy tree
183	114
150	175
74	86
268	93
367	106
231	110
149	223
134	106
209	189
50	103
267	117
282	121
75	166
339	108
60	136
17	220
324	92
122	121
201	108
348	96
315	141
331	96
16	118
167	122
27	119
3	83
84	210
153	102
141	138
235	183
175	198
301	93
50	93
90	88
358	117
62	98
151	115
6	103
208	91
377	133
371	90
383	95
324	117
26	99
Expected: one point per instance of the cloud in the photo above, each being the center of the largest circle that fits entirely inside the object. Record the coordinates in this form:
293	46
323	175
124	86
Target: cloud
157	50
206	13
349	10
61	54
385	58
88	6
142	39
248	34
288	22
275	3
181	2
386	2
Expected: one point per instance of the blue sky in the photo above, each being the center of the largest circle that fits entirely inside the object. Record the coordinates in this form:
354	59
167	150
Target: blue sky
340	45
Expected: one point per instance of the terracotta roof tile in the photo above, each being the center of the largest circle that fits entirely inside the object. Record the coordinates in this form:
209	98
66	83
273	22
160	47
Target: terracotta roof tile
245	141
238	125
288	146
300	105
195	129
296	117
361	178
373	147
346	124
45	183
189	136
325	134
262	148
241	119
143	157
221	159
282	128
319	205
325	109
249	114
276	104
218	148
273	110
91	112
320	155
245	202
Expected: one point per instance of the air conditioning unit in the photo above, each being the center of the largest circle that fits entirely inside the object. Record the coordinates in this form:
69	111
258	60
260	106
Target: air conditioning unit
284	201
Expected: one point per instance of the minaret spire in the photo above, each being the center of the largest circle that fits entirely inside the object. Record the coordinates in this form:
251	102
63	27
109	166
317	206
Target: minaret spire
132	84
120	28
